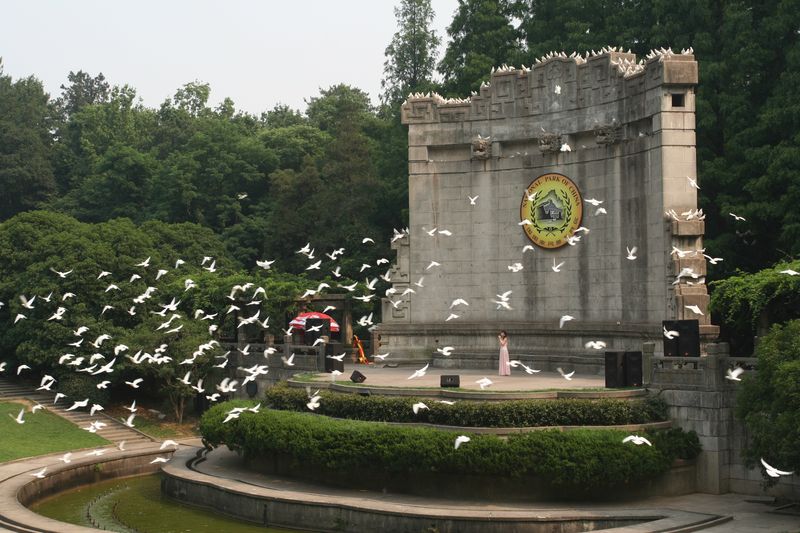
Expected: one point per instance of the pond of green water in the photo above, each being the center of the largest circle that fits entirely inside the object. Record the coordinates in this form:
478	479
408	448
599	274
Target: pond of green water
136	505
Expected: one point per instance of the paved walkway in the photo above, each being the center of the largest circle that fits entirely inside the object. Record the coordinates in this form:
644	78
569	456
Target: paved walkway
680	511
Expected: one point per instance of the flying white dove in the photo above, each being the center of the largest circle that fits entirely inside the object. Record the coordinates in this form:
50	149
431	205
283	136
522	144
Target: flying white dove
568	377
529	370
419	373
314	402
774	472
557	267
733	374
694	309
472	199
670	334
18	419
596	345
636	439
484	382
135	383
631	253
564	319
61	275
417	406
461	439
129	421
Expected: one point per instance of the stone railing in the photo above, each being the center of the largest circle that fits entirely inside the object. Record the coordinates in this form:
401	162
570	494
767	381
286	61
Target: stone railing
698	373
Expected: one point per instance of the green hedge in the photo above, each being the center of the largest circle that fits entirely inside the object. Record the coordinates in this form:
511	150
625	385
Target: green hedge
504	413
583	459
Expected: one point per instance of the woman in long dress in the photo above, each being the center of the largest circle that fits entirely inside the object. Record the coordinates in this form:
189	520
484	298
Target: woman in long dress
505	368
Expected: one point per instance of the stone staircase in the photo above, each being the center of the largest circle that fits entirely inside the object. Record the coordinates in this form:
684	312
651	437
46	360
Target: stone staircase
115	431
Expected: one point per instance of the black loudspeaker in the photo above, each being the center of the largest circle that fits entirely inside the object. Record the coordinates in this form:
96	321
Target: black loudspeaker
615	370
452	380
333	364
311	336
687	343
357	377
251	388
633	369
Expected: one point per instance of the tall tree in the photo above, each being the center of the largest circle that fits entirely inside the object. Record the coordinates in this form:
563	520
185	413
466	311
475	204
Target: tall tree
26	118
482	36
411	56
82	90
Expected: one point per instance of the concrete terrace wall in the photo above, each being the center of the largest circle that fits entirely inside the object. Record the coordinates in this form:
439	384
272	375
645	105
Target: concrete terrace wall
632	146
700	399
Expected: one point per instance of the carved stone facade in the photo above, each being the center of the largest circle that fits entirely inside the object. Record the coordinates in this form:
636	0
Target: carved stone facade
610	124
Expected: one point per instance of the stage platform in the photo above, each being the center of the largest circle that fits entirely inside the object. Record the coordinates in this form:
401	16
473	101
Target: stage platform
382	379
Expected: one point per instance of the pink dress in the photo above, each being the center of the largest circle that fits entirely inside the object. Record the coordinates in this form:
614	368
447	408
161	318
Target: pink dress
505	369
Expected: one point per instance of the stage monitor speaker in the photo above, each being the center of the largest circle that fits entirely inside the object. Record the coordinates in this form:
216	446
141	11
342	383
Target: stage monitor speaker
687	343
311	336
357	377
633	369
615	371
450	380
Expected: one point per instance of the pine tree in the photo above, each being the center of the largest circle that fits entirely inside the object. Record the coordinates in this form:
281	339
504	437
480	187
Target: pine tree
411	56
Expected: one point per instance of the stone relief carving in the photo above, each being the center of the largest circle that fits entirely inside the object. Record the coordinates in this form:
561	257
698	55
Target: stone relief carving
607	133
549	143
482	148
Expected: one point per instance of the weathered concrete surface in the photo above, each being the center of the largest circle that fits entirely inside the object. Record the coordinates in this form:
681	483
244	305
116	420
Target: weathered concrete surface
223	484
632	145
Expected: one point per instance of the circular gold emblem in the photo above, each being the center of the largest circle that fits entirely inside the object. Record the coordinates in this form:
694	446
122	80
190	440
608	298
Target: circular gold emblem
551	210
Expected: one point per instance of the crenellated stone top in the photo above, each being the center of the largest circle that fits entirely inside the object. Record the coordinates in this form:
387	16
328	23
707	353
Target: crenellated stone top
558	82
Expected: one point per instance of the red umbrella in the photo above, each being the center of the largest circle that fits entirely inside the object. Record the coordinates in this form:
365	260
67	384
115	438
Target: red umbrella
299	322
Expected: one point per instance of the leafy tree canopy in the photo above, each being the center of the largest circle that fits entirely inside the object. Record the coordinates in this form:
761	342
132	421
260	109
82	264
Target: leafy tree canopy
769	400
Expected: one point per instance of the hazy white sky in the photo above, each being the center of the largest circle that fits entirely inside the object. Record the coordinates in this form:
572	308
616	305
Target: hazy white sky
259	53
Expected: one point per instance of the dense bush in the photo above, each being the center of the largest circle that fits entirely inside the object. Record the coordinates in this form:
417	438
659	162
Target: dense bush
588	458
78	387
506	413
769	400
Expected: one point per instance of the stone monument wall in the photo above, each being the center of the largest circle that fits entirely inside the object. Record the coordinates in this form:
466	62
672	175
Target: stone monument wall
623	132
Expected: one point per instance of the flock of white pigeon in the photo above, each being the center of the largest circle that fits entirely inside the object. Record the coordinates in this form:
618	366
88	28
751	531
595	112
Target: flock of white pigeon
100	365
97	364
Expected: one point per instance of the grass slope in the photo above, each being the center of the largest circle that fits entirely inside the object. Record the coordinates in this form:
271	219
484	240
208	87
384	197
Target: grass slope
42	433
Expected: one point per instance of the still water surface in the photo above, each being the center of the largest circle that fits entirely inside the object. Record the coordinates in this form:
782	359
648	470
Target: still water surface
136	504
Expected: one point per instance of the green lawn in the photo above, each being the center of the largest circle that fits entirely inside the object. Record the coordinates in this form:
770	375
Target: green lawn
42	433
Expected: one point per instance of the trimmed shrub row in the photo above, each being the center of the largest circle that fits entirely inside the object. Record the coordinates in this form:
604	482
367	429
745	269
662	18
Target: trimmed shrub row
581	459
505	413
